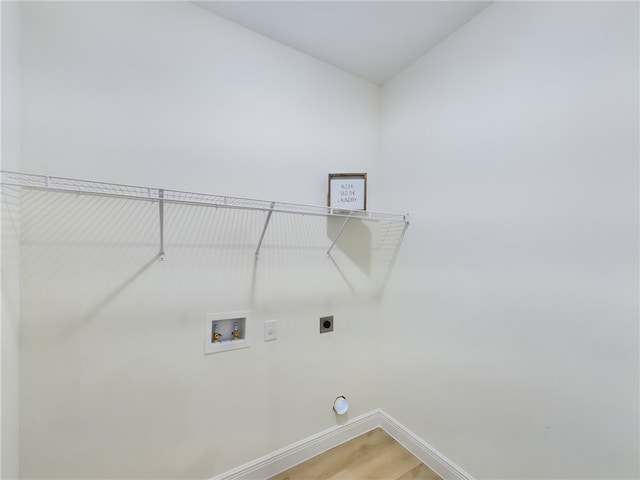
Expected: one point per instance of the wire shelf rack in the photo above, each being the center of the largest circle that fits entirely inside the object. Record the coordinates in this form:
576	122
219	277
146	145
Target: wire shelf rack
90	187
163	196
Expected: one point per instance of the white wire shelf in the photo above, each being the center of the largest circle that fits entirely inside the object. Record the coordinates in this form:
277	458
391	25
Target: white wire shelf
90	187
163	196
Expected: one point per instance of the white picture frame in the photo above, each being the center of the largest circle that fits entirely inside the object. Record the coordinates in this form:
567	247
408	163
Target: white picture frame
347	191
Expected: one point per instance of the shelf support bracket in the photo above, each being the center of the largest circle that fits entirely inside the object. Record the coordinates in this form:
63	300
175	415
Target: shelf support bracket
264	229
346	220
161	255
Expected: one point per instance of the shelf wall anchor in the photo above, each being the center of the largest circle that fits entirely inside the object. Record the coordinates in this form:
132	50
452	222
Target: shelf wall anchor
161	255
264	229
346	220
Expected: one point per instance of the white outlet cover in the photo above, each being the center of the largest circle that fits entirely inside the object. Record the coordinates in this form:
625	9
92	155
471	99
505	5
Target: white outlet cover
270	330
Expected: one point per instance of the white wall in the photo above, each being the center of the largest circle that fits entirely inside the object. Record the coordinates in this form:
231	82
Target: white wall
514	144
9	246
114	382
157	93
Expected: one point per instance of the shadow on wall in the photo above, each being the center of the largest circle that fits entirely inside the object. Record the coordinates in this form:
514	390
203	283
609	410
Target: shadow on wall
354	240
10	243
118	290
82	254
112	339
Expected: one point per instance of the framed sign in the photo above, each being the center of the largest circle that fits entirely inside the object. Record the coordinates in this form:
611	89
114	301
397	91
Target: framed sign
348	191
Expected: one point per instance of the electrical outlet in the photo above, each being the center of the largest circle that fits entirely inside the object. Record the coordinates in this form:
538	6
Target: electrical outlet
270	330
326	324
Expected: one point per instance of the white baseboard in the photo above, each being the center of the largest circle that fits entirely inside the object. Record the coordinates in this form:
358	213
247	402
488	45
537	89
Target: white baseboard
421	449
296	453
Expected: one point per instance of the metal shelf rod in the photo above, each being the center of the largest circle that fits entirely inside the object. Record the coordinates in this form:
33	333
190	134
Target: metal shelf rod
346	220
161	255
264	230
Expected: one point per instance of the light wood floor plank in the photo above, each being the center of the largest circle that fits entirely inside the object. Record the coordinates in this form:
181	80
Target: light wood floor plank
372	456
421	472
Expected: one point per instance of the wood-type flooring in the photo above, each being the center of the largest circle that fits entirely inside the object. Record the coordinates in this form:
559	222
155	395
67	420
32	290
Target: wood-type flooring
373	456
